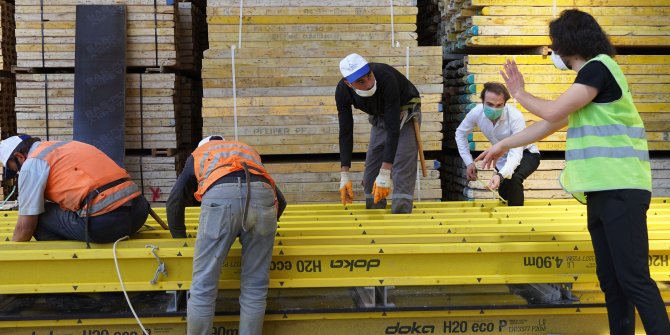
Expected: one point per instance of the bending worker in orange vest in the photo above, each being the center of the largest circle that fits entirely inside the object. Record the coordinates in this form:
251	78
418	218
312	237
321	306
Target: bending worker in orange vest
239	198
90	198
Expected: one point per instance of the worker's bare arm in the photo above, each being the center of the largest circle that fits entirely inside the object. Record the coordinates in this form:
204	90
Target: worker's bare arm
25	227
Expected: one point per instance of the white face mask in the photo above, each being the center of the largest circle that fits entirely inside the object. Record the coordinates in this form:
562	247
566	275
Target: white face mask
368	93
558	62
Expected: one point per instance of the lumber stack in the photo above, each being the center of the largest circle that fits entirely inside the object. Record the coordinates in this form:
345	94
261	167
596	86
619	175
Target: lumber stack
319	181
476	24
7	113
542	184
291	109
648	78
7	38
155	175
45	32
45	108
190	25
428	22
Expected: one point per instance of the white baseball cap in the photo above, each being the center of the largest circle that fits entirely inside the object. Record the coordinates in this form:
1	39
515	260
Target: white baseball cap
353	67
210	138
7	148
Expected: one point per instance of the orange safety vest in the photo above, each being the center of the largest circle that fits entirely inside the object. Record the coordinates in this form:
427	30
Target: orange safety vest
216	159
75	170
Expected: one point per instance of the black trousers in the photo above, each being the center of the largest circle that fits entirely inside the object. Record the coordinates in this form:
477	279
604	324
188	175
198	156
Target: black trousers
617	221
512	189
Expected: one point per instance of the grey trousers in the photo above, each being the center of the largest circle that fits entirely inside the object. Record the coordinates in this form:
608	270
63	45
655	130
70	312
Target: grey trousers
404	170
220	224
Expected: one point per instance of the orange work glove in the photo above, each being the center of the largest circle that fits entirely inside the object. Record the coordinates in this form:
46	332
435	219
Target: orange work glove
346	189
382	186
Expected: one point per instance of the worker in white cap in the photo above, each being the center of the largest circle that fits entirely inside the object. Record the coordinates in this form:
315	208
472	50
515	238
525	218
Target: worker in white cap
90	198
391	101
239	199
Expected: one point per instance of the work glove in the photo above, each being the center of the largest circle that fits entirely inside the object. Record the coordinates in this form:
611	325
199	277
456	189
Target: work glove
346	189
382	186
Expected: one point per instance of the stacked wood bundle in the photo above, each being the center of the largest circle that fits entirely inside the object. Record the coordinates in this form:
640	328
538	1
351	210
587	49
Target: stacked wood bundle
189	26
428	22
542	184
7	39
155	175
7	113
45	32
190	95
319	181
312	23
648	78
45	108
285	97
474	24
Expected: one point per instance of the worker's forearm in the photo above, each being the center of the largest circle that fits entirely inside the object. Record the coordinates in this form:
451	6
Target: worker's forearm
533	133
25	227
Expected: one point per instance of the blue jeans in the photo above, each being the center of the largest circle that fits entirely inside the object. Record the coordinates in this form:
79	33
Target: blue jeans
60	224
220	224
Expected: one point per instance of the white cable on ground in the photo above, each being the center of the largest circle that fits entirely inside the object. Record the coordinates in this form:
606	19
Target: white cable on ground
123	287
393	45
239	38
232	54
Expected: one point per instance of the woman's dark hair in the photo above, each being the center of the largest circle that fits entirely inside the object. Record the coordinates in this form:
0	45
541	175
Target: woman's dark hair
578	33
497	88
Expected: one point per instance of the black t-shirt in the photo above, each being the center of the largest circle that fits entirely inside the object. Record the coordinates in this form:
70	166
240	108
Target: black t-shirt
393	91
596	74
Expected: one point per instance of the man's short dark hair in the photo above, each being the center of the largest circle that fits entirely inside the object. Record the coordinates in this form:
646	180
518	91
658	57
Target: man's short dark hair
25	145
578	33
497	88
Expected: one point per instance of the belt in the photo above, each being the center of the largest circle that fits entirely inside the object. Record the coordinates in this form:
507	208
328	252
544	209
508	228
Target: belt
90	196
227	179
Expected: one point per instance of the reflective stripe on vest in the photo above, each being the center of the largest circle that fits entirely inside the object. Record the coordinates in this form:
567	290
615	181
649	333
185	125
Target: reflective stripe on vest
75	170
216	159
606	145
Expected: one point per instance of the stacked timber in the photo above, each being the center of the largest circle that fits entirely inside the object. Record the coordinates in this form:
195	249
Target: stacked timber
286	97
189	29
7	113
319	181
45	32
648	78
7	39
476	24
542	184
428	22
45	108
155	175
190	95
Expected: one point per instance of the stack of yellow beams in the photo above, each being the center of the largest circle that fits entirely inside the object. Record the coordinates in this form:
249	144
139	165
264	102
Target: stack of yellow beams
312	24
45	103
542	184
648	77
286	97
7	39
524	23
330	246
45	32
313	182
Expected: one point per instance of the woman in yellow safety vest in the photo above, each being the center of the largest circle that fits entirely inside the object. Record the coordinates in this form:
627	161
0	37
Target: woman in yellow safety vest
606	164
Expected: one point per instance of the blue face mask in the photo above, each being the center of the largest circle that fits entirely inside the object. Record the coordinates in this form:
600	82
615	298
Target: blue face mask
493	113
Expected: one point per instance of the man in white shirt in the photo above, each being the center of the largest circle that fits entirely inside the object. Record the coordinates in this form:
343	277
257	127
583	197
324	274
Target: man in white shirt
497	121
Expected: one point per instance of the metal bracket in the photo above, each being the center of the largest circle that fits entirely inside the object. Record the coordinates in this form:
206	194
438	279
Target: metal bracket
373	296
161	266
177	301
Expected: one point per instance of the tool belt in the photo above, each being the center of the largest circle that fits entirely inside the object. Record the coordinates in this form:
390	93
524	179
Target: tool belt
407	112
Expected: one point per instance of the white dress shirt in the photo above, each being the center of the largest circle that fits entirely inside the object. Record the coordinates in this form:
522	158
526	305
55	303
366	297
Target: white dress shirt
510	122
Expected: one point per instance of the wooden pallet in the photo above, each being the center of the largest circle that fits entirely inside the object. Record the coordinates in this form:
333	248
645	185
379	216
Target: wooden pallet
39	95
45	34
470	25
319	181
647	77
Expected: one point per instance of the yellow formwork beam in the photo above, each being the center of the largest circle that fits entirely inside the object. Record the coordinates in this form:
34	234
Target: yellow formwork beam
92	270
535	321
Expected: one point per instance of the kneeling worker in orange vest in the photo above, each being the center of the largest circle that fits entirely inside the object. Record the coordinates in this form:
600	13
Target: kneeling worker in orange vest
90	198
239	198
